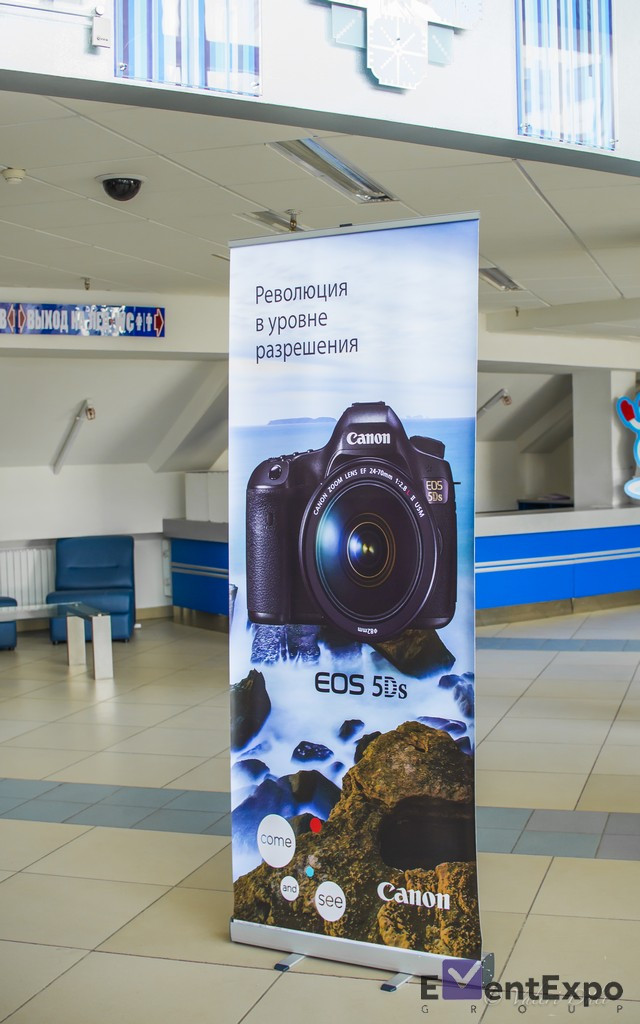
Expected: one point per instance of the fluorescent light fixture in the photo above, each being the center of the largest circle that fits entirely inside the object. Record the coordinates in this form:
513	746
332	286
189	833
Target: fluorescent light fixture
500	396
330	168
86	412
498	279
287	221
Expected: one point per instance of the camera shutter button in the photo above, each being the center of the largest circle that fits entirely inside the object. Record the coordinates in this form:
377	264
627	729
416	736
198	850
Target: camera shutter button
275	472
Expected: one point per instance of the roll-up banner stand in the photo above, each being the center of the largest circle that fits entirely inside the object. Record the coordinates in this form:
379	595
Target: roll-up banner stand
351	469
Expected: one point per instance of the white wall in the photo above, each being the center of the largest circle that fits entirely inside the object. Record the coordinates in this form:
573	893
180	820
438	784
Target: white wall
504	474
496	474
475	95
83	500
148	571
86	500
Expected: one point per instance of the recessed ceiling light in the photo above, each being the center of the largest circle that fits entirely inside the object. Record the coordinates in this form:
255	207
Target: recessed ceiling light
330	168
498	279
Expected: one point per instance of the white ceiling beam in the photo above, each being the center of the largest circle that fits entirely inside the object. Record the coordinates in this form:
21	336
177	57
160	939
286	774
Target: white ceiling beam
572	314
212	390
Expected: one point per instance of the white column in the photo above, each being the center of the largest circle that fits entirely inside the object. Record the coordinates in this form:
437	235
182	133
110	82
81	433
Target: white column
602	447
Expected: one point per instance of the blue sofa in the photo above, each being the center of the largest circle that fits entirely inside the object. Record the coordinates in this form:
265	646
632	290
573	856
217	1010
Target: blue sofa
97	571
8	631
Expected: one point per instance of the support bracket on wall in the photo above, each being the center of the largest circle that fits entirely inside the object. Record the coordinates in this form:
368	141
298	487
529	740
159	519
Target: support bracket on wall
86	412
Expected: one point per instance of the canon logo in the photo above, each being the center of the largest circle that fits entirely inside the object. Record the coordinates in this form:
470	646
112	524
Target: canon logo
354	438
414	897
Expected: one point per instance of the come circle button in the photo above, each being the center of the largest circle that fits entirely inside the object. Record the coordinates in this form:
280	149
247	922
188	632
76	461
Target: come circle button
276	840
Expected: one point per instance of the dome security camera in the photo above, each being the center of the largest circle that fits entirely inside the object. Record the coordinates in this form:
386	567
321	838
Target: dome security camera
121	187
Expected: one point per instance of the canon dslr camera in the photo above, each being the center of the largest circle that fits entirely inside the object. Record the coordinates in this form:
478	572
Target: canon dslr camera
360	534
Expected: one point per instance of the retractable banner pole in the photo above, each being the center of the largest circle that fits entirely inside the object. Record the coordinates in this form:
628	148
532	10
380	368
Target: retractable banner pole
352	441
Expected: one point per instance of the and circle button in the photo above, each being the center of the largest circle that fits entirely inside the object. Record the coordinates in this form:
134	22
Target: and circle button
290	888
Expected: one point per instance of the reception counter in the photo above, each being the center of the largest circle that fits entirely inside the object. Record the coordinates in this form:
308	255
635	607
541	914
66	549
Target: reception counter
199	570
567	555
548	557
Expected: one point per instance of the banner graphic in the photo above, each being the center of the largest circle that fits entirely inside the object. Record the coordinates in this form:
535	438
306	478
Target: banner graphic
352	441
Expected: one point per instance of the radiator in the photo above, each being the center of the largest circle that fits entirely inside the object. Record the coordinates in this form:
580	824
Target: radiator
27	574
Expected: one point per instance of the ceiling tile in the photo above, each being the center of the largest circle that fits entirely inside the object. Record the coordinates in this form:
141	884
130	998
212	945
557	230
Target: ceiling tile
611	216
61	214
181	132
80	178
25	108
241	164
28	193
384	154
62	141
561	176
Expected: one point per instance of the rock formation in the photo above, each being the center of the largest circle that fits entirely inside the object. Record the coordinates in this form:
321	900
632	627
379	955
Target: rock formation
405	817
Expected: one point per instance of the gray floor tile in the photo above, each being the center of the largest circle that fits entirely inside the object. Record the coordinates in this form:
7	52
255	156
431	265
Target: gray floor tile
141	796
589	822
8	803
79	792
562	645
222	827
26	788
219	803
502	817
165	820
603	645
109	815
497	840
557	844
620	824
619	848
43	810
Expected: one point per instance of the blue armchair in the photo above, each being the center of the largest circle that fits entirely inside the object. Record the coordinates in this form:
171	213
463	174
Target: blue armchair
8	631
97	571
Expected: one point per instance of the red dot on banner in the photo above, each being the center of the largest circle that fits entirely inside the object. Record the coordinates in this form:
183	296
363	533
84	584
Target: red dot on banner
315	825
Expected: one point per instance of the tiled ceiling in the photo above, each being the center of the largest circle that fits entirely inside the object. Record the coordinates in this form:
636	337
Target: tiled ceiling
565	235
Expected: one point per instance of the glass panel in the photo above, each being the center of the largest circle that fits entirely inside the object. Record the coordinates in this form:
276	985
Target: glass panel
11	613
565	71
203	44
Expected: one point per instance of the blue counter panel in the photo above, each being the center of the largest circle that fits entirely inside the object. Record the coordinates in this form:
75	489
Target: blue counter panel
560	542
523	586
200	575
528	568
213	554
607	577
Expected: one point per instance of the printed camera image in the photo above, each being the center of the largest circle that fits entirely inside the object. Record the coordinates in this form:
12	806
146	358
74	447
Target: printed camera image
359	534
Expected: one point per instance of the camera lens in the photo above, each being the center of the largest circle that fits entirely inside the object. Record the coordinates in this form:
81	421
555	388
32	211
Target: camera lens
371	551
364	565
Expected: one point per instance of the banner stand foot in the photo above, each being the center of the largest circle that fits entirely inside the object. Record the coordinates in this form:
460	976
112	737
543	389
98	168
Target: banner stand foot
289	961
395	982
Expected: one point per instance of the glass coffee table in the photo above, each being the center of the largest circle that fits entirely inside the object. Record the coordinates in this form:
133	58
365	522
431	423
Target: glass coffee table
76	614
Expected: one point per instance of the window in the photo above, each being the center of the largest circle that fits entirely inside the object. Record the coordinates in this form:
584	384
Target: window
565	71
203	44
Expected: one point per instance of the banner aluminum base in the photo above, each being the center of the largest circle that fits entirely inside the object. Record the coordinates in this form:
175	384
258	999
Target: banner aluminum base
329	947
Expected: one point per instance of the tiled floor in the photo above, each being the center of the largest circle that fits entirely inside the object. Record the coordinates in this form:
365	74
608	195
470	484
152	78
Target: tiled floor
115	890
